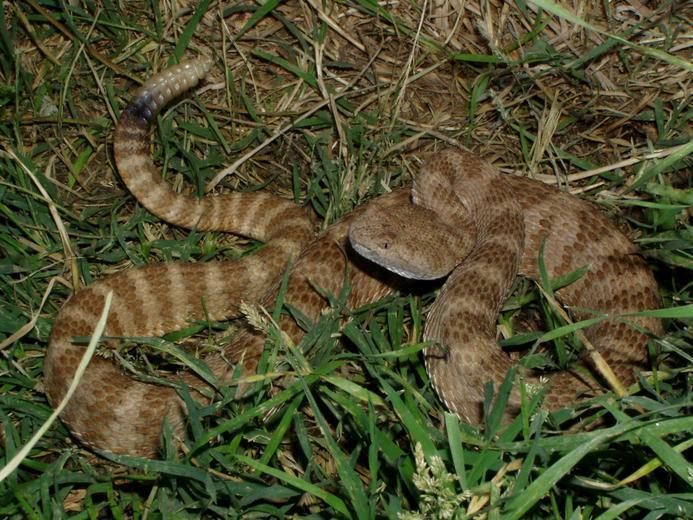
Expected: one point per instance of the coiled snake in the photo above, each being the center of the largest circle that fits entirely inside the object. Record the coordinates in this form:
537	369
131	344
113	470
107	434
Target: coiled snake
461	218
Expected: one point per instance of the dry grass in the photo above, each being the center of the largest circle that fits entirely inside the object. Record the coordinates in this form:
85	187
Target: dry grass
331	103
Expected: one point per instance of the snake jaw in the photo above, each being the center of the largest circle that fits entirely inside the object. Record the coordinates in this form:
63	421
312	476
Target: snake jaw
380	252
396	240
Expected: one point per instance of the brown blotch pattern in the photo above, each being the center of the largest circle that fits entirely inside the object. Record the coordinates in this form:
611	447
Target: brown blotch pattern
112	411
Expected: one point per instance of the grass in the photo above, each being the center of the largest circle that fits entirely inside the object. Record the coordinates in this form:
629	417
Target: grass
344	95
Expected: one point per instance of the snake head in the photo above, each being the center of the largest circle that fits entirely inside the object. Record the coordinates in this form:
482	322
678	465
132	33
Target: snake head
410	241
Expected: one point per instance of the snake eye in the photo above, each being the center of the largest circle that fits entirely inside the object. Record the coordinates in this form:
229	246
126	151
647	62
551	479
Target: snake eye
386	245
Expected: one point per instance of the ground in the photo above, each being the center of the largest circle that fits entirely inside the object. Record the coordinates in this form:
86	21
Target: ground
591	96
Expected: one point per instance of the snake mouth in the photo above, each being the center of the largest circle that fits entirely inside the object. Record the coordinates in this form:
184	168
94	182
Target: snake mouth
378	253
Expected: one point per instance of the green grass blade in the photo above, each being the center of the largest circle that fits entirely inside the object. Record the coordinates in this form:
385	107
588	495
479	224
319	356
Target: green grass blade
349	478
81	368
335	502
564	13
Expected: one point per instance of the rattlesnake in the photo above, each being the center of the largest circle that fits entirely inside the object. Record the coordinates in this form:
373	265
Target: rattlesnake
464	211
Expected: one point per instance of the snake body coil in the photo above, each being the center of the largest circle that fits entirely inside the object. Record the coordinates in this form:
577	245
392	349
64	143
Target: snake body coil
481	225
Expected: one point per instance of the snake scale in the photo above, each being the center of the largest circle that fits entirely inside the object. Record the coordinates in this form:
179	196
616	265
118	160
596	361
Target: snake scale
460	218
